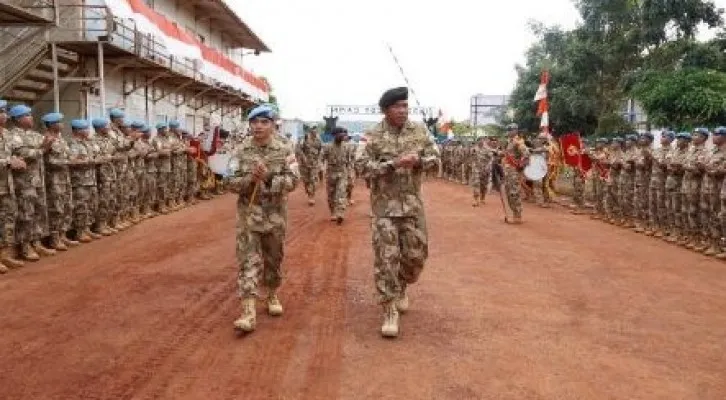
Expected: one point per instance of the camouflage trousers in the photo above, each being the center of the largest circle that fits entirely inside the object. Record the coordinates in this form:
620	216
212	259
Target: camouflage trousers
511	185
60	208
675	217
120	190
163	188
599	191
179	180
612	198
578	188
692	204
710	207
132	190
640	196
41	213
106	201
85	202
192	180
309	176
657	212
151	193
143	185
480	183
627	193
8	213
336	185
400	247
350	185
28	224
259	257
538	190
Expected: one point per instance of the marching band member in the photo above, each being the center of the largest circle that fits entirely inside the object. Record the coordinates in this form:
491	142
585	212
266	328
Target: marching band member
515	158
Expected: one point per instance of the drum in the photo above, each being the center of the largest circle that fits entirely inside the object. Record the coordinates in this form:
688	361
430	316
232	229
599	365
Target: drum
537	167
223	164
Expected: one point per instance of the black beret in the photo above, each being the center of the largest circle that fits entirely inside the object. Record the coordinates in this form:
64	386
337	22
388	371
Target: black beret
338	130
391	96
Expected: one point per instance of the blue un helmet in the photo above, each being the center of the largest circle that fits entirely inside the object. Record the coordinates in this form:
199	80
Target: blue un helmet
720	131
668	134
52	118
702	131
19	111
263	111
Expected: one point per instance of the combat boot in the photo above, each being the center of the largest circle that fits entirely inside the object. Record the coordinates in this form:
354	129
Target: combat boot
103	229
721	255
42	250
68	241
274	307
712	250
659	234
7	257
351	202
517	220
390	320
135	218
92	234
248	320
311	201
402	304
56	243
84	237
700	245
3	269
476	202
28	252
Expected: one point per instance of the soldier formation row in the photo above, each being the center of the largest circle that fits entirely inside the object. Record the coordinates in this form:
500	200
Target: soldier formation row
57	192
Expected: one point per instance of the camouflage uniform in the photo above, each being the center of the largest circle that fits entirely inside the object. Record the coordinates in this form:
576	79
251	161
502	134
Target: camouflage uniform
58	183
514	153
8	204
352	148
192	183
179	168
400	239
163	146
710	200
657	212
642	185
121	165
308	153
141	148
85	192
482	158
677	222
107	181
612	202
627	187
261	227
692	182
132	177
337	160
599	169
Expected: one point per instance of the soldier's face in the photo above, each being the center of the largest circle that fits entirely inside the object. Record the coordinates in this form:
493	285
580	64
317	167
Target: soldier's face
25	122
665	141
262	128
699	139
682	143
397	114
718	140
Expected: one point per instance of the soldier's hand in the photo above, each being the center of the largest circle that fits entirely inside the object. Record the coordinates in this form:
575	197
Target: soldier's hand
17	163
259	172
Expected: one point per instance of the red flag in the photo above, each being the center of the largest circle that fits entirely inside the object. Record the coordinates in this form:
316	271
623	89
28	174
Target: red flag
571	145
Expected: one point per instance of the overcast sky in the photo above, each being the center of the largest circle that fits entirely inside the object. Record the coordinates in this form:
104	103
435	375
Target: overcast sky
333	52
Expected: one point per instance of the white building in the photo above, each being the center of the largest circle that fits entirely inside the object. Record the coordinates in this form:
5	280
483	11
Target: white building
155	59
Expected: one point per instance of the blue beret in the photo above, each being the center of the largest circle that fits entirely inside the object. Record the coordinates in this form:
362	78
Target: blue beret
127	122
668	134
145	129
99	123
631	137
702	131
174	124
720	131
3	104
683	135
116	113
79	124
161	125
20	110
647	135
52	118
137	124
263	111
391	96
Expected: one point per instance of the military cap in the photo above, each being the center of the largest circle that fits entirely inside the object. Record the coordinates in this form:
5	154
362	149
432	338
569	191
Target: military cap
19	110
683	135
137	124
631	137
99	123
512	127
702	131
161	125
263	111
339	130
720	131
391	96
116	113
52	118
3	104
79	124
174	124
145	129
668	134
647	135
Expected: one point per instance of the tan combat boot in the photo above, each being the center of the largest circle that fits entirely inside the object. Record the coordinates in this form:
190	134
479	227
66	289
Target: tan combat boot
248	320
92	234
390	320
28	252
712	250
84	237
104	230
274	307
3	269
135	215
42	250
68	241
476	202
56	243
311	201
7	256
402	304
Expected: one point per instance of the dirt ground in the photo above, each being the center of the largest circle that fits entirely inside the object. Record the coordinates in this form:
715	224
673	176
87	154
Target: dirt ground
561	307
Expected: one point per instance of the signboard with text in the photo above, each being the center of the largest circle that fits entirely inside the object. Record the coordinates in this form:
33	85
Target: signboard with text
373	110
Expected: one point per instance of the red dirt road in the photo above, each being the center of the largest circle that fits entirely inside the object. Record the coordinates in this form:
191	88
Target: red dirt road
559	308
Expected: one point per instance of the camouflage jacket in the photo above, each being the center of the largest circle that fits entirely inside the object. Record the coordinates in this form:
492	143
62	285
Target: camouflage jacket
6	177
660	163
628	159
614	160
83	167
515	151
269	207
309	150
695	155
56	160
24	144
337	159
482	158
106	169
150	155
396	192
163	144
674	160
713	161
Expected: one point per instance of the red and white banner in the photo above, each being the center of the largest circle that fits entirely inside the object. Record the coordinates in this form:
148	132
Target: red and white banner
543	106
180	43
